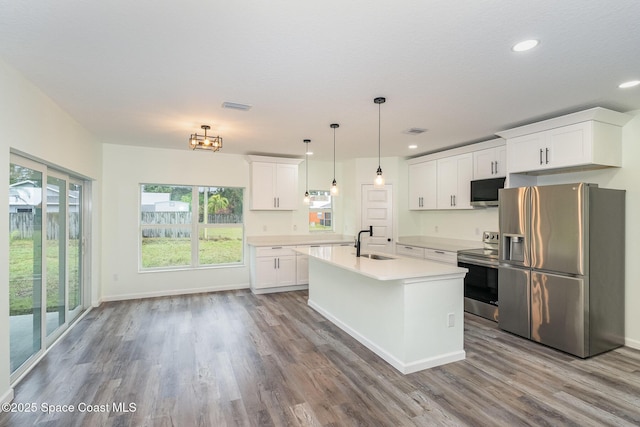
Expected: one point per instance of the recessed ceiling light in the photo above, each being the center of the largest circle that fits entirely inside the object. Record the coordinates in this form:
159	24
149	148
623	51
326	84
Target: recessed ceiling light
525	45
413	147
309	153
629	84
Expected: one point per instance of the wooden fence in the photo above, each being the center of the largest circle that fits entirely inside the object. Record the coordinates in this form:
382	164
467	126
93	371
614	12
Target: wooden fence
21	225
175	219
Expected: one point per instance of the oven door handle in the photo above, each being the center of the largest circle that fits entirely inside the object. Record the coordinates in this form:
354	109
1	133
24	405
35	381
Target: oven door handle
476	261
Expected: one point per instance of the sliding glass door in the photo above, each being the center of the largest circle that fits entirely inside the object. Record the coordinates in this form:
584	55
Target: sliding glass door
25	262
46	286
75	248
56	250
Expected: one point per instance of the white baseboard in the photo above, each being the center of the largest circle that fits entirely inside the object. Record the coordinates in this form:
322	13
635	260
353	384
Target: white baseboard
404	368
635	344
261	291
171	292
7	397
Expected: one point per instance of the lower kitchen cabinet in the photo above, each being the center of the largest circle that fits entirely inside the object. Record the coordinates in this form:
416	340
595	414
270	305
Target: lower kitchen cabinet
280	268
439	255
410	251
273	267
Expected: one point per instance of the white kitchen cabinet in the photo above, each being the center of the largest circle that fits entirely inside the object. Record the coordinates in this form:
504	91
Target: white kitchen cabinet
409	251
490	163
273	267
586	145
274	183
441	256
454	176
422	185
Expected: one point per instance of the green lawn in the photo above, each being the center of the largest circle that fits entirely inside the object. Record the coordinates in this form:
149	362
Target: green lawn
218	246
21	276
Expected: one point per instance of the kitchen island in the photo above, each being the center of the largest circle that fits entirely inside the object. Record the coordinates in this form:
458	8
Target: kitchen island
407	311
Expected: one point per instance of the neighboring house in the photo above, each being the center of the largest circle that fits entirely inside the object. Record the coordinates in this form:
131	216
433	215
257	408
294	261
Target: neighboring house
26	195
160	202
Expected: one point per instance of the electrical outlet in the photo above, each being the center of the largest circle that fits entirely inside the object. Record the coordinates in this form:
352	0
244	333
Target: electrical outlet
451	320
264	228
477	231
436	228
295	227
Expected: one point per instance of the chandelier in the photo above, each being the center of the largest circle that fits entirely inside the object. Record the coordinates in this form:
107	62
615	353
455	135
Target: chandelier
205	142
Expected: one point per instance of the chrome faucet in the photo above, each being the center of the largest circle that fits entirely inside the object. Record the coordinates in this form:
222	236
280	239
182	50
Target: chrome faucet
370	231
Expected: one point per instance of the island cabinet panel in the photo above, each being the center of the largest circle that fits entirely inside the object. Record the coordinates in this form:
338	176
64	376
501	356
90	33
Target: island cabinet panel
407	311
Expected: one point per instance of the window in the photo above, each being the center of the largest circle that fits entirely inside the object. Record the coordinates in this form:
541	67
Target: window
172	237
320	211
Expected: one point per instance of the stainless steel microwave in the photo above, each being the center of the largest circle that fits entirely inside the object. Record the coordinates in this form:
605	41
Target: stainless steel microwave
484	192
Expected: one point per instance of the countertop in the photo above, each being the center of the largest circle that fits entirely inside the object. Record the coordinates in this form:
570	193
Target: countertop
302	239
440	243
398	268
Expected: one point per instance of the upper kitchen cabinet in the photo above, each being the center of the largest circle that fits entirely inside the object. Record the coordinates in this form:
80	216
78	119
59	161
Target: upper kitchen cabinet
588	139
274	183
454	181
422	185
490	163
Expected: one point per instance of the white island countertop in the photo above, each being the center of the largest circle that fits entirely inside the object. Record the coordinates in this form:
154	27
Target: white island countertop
397	268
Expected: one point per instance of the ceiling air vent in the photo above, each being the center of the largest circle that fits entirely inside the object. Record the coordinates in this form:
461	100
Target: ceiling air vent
236	106
414	131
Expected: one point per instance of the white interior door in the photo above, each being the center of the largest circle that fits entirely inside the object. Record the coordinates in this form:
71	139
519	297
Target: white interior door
377	210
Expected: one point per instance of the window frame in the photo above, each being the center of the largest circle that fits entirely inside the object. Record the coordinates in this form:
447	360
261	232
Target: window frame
195	226
325	210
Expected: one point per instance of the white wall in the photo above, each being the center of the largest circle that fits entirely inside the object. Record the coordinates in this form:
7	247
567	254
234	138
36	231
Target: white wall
125	168
34	125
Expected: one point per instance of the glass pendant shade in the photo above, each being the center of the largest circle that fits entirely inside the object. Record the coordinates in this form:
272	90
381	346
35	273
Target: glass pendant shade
306	200
379	181
334	184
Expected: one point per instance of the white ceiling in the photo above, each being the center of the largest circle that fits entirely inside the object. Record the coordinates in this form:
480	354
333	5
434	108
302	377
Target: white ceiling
149	72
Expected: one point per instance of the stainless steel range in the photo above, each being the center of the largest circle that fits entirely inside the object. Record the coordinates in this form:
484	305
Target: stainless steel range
481	282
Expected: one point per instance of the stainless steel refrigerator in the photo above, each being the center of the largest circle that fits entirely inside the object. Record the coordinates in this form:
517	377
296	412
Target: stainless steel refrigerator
561	266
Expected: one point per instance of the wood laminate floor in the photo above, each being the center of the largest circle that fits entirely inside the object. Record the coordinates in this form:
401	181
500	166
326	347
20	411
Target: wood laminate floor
234	358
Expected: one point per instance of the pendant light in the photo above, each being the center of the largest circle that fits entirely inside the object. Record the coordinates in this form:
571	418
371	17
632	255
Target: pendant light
334	184
306	165
379	181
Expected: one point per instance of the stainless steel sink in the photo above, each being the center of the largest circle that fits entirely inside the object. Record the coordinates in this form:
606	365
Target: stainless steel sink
376	256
